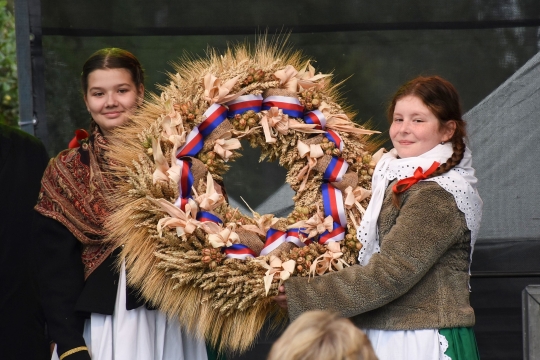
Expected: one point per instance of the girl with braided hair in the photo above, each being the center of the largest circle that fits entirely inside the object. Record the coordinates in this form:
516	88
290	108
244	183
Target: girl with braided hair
410	290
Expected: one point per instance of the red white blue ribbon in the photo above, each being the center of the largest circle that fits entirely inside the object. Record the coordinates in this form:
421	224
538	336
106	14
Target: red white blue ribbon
194	144
203	216
293	236
336	169
274	238
333	204
214	116
337	234
318	118
244	103
239	251
335	138
289	105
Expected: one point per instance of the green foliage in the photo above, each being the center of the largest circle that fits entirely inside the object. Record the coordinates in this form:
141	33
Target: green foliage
9	100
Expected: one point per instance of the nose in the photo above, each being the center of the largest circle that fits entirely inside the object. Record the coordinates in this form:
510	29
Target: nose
405	127
111	100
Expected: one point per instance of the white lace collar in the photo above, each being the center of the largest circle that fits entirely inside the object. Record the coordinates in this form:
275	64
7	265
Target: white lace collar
459	181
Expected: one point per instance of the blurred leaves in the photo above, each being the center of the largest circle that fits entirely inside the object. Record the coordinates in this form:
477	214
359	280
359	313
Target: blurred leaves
9	100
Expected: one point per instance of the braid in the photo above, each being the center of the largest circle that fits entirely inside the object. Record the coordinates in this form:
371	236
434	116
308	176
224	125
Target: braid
459	150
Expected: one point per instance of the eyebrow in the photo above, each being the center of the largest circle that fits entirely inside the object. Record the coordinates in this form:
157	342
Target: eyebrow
100	88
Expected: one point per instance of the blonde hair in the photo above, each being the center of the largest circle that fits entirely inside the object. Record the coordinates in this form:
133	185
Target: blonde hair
321	335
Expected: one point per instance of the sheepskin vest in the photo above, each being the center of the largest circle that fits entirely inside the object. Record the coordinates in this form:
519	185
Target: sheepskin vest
420	278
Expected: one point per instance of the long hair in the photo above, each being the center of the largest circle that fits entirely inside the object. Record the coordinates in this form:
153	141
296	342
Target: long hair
321	335
442	98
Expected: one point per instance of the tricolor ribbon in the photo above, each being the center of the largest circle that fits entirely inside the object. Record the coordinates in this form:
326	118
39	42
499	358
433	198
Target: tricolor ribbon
213	116
317	117
333	204
293	236
404	184
274	238
289	105
336	169
243	104
337	234
194	144
204	216
239	251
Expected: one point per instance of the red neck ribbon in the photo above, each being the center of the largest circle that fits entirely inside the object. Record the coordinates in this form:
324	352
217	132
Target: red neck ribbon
404	184
80	135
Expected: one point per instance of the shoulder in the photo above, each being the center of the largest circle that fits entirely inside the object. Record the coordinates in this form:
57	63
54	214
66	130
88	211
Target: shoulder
18	136
431	199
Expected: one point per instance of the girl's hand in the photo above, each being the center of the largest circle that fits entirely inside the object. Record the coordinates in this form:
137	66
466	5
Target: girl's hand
281	298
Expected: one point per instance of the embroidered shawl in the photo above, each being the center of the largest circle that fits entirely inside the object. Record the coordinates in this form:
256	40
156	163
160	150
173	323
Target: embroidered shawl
74	192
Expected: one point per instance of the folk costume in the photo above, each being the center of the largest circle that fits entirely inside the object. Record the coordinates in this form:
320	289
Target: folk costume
410	292
79	280
23	159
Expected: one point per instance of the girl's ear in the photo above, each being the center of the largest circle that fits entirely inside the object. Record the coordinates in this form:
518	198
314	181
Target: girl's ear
140	93
448	130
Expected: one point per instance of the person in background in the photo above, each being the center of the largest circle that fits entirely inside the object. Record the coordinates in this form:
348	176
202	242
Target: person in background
23	159
322	335
89	309
410	290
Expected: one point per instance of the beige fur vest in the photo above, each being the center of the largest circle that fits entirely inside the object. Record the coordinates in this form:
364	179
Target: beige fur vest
418	281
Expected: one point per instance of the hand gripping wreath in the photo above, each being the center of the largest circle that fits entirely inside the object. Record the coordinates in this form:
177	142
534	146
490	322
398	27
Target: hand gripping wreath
185	249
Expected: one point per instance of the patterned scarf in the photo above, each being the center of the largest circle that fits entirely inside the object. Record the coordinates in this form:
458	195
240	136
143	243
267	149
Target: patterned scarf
73	192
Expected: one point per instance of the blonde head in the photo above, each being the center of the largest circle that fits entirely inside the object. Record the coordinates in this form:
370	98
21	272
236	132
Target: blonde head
321	335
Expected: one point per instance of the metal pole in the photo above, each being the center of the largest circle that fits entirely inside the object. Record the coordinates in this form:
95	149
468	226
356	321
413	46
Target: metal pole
24	67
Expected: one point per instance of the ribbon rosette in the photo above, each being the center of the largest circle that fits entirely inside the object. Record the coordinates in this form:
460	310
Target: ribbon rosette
313	152
328	261
287	78
211	198
276	269
184	221
225	144
274	119
315	225
217	93
220	237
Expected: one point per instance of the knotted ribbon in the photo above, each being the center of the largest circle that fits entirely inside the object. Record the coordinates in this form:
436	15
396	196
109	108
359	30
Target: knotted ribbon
184	221
312	152
315	225
216	92
404	184
276	269
275	121
328	261
225	144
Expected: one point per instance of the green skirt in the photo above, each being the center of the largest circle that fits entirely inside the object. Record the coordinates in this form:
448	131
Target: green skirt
461	343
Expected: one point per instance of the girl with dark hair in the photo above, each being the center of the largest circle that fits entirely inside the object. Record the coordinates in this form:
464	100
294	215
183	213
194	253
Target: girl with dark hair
89	309
410	291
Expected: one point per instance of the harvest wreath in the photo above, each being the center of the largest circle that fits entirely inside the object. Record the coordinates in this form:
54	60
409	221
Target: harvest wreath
187	251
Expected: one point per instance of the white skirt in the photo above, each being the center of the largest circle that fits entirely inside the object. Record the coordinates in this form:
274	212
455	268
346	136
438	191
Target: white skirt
408	345
138	334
